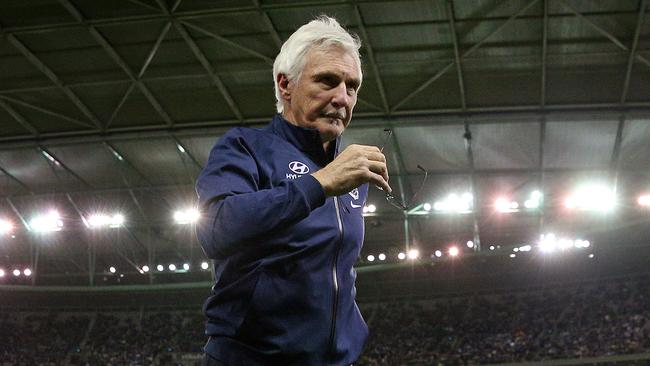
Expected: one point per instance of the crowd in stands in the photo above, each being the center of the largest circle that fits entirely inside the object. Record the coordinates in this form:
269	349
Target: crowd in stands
591	320
577	321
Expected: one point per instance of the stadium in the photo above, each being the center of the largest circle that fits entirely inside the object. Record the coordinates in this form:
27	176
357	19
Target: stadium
518	145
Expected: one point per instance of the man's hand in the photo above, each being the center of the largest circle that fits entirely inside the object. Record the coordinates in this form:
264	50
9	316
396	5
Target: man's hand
356	165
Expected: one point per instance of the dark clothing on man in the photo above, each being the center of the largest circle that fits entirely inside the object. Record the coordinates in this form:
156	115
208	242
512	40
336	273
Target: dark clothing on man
283	253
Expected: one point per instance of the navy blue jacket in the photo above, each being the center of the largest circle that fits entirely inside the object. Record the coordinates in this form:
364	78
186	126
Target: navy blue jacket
282	251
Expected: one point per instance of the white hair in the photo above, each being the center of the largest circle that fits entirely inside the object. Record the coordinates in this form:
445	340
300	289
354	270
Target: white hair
321	32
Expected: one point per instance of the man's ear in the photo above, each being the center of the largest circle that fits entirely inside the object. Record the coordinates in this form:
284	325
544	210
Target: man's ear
284	86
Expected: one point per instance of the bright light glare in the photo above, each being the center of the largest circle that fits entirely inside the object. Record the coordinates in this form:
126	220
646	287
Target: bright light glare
491	247
204	265
145	268
369	208
504	205
591	255
453	251
16	272
549	243
455	203
382	257
643	201
188	216
5	226
112	270
470	244
438	253
513	255
426	207
103	220
591	198
47	222
401	255
413	254
2	272
371	258
160	268
172	267
27	272
525	248
186	266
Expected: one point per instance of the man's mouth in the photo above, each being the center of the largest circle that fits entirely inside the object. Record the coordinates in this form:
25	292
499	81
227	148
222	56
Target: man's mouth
335	116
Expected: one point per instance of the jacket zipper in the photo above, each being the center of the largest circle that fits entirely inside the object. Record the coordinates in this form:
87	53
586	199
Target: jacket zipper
335	277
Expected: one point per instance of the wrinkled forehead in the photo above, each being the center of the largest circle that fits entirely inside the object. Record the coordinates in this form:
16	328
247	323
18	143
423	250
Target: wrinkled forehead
316	55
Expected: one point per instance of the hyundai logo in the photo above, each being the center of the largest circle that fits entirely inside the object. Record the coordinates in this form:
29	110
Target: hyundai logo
298	167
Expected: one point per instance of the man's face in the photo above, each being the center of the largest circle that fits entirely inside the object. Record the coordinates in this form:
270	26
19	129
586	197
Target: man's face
325	94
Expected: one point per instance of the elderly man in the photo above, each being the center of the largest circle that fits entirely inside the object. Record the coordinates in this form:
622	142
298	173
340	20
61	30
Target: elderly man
282	215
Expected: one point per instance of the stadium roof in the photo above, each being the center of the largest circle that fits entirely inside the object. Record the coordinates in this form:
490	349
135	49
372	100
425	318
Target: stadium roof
114	106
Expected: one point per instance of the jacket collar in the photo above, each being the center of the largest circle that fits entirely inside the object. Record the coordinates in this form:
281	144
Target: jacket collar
305	139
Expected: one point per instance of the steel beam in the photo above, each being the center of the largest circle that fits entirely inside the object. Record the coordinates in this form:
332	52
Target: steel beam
144	5
373	62
465	54
36	62
20	183
573	113
266	59
42	150
616	151
459	68
45	111
17	213
103	42
269	25
542	96
607	34
209	69
19	118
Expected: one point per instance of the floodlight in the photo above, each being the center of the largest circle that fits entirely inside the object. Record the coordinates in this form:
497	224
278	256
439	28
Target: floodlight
186	266
591	198
501	204
102	220
438	253
525	248
426	207
453	251
371	258
16	272
2	272
160	268
112	270
6	226
644	200
531	204
382	256
413	254
401	255
455	203
591	255
204	265
513	255
172	267
515	249
180	148
46	222
491	247
369	208
27	272
188	216
547	243
470	244
145	268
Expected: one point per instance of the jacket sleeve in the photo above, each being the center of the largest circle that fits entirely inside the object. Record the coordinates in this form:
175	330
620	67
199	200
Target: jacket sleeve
234	210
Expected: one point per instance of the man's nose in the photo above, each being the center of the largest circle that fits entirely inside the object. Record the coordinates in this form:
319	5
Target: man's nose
341	98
